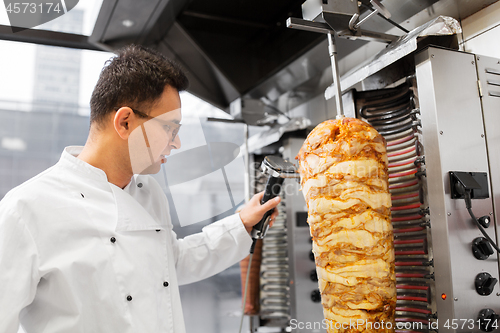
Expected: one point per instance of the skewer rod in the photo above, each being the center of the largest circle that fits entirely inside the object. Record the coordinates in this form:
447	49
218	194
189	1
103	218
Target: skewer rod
332	49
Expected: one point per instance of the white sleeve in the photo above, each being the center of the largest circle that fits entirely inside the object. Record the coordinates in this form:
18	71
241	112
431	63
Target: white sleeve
219	246
18	269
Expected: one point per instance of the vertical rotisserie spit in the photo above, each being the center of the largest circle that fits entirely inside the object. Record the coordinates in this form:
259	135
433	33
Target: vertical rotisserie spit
343	168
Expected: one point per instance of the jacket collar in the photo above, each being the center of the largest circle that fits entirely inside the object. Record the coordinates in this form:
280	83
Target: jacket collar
136	210
132	215
69	160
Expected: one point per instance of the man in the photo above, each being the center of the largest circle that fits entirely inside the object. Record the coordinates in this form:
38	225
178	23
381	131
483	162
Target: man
87	245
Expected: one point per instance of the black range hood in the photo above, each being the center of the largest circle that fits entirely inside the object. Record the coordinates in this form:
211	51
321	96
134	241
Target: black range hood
228	47
242	48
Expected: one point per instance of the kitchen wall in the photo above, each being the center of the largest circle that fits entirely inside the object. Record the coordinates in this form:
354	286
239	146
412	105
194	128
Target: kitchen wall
481	32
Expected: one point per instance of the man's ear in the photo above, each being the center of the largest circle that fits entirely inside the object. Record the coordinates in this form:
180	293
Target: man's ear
121	122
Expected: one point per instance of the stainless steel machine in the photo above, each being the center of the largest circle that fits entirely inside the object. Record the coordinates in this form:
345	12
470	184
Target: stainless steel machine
438	110
459	104
443	117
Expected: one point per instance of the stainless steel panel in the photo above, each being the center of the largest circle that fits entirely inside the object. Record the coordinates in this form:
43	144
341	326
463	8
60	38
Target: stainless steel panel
315	109
453	137
312	9
488	70
303	310
318	110
336	13
307	67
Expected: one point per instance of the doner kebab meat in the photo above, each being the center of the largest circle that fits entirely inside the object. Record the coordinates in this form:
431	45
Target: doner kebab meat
344	178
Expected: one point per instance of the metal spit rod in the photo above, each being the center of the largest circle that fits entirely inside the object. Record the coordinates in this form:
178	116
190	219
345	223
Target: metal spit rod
305	25
332	50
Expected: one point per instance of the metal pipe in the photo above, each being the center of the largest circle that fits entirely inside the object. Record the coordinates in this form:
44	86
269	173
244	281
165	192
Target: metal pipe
247	166
357	25
332	49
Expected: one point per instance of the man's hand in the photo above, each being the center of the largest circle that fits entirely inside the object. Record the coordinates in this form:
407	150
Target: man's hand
253	211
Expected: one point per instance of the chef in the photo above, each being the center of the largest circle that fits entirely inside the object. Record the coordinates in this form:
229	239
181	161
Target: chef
87	245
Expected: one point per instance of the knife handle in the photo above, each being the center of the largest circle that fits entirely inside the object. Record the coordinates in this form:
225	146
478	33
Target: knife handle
272	190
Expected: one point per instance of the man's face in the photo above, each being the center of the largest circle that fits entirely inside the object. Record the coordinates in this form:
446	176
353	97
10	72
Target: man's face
155	136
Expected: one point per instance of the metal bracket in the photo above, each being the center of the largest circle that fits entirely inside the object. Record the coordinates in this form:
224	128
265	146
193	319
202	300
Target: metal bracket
379	8
341	18
324	28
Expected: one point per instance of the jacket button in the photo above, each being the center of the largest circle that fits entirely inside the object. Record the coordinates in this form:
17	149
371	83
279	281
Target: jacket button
139	185
165	284
112	239
129	298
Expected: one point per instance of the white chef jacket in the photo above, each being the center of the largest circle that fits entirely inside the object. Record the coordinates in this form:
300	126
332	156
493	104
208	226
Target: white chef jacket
79	254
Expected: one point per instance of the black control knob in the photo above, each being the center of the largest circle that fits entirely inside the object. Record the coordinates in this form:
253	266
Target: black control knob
311	256
316	296
485	283
313	275
488	320
484	221
481	248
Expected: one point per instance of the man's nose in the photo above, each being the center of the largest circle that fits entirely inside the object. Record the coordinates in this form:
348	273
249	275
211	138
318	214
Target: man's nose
176	143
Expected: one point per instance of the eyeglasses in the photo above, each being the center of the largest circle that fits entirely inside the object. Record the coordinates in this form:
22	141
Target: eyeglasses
169	126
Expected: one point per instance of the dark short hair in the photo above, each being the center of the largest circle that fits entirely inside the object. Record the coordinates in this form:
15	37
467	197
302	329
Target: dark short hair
136	77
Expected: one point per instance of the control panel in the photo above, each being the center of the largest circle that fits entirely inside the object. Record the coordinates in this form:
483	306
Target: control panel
461	185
